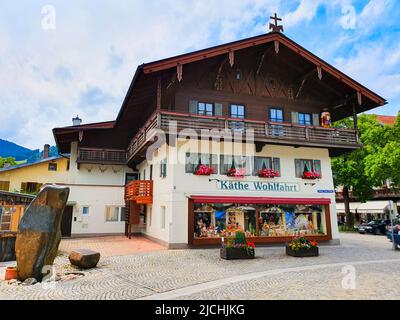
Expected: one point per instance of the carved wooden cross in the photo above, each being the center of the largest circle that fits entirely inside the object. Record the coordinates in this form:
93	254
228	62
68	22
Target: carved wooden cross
274	26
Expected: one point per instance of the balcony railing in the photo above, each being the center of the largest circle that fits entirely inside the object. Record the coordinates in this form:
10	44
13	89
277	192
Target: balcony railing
102	156
140	191
377	194
272	132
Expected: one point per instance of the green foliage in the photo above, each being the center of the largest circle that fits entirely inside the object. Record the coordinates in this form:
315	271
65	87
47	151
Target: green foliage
344	228
378	159
240	237
8	160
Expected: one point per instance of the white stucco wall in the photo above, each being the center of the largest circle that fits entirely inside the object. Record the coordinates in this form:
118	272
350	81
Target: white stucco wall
174	190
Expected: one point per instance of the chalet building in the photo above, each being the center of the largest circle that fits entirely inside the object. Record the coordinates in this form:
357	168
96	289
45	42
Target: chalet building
233	137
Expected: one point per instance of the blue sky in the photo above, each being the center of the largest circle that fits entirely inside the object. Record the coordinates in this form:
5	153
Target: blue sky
78	57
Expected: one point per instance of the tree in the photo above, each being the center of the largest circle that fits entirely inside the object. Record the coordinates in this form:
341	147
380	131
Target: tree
350	169
383	159
8	160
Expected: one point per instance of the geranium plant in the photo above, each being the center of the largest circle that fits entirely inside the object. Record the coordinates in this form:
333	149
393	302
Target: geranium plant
237	173
268	173
302	243
204	170
311	175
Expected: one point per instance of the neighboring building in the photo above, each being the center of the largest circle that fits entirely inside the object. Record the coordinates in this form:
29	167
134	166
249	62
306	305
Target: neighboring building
266	86
12	207
96	191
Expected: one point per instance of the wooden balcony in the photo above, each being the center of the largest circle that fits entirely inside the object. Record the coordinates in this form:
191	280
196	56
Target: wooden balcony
264	132
377	194
139	191
101	156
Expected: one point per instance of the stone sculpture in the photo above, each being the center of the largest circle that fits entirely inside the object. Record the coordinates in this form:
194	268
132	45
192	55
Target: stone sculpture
39	232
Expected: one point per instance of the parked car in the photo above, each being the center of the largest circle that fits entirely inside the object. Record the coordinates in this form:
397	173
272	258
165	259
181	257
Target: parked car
374	227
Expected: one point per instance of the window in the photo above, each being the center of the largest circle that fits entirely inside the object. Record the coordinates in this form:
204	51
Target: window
52	167
4	185
163	218
215	220
163	168
239	162
115	214
150	215
304	165
30	187
85	210
206	109
68	164
276	115
131	177
237	111
194	159
151	172
304	119
144	174
266	163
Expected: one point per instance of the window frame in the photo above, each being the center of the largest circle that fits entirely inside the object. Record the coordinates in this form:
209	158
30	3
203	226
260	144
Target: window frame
237	105
205	111
313	162
120	211
304	114
85	214
163	168
276	109
52	164
271	160
192	166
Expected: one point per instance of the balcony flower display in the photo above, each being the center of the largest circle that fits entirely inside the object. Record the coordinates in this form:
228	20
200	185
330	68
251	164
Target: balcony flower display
204	170
311	175
302	247
268	173
237	173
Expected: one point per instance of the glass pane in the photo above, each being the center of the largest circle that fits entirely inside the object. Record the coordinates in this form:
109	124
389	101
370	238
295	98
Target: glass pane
212	220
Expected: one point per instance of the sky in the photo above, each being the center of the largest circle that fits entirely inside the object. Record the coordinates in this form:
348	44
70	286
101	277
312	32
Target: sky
59	59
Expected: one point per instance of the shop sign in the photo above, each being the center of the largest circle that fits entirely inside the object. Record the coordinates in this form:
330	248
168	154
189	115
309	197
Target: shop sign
257	186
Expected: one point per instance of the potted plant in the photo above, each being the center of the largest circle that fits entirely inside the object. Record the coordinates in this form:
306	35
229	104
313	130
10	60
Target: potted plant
302	247
203	170
237	247
237	173
268	173
311	175
11	273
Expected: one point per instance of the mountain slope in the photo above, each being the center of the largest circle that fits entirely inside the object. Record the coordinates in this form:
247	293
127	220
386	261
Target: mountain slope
10	149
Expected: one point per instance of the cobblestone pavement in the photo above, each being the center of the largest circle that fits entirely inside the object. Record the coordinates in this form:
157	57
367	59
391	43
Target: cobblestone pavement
111	246
201	274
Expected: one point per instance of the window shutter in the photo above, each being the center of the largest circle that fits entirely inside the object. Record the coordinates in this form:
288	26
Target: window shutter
315	119
193	106
24	186
277	165
218	109
295	117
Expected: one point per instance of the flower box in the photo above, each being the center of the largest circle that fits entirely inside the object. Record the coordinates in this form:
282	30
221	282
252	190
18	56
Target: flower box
311	175
203	170
7	246
237	173
302	252
228	253
267	173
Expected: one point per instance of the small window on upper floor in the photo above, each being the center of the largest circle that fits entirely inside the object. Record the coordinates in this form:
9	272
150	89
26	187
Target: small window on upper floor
307	165
205	109
237	111
52	167
305	119
85	210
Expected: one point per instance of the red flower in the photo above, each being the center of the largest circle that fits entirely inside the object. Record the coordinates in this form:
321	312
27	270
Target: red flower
204	170
311	175
250	244
267	173
238	173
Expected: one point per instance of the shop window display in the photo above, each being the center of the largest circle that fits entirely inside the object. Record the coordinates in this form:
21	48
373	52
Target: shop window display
224	220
